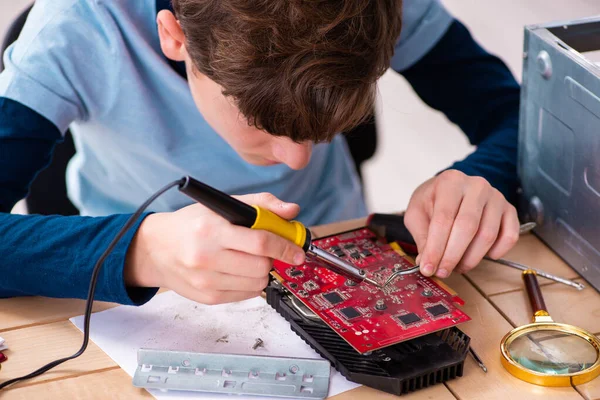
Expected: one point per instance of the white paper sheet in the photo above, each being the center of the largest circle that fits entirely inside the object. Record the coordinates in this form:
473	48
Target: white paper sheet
171	322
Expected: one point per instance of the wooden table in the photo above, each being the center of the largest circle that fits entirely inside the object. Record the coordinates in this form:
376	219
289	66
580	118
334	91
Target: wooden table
38	331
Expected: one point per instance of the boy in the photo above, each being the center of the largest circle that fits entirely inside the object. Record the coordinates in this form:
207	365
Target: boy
247	96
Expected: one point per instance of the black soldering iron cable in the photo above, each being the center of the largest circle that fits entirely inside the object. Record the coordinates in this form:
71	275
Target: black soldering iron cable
92	288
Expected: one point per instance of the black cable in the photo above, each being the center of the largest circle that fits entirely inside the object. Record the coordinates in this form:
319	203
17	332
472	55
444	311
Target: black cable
92	289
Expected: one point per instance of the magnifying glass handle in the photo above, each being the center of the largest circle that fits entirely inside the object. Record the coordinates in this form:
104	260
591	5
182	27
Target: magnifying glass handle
535	294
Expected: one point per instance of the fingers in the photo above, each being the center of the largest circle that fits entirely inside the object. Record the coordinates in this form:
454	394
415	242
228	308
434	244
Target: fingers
272	203
465	226
222	297
261	243
486	236
445	208
416	220
207	259
235	262
210	287
509	233
212	297
216	281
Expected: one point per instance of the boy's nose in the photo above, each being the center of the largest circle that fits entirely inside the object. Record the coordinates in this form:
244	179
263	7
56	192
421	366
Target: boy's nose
294	155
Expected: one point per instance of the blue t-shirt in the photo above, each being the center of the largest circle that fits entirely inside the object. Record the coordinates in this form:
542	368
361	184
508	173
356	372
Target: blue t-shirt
95	67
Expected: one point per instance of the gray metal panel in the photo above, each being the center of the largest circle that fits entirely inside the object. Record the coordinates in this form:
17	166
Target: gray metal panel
559	142
232	374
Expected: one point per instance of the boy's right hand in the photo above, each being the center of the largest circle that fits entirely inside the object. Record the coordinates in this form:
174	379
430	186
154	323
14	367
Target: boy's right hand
203	257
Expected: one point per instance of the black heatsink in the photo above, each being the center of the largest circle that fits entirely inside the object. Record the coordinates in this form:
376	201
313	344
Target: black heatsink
398	369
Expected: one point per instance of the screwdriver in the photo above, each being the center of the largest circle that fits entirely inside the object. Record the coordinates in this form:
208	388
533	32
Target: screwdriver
255	217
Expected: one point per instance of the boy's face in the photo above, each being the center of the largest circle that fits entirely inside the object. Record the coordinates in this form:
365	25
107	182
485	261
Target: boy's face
253	145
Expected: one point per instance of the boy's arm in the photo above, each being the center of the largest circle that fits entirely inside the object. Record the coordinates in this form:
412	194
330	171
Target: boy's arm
476	91
51	256
49	75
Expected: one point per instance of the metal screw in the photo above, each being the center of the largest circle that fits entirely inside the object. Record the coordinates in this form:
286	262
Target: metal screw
427	292
186	363
258	344
536	210
294	369
397	267
526	227
350	282
584	268
544	65
387	359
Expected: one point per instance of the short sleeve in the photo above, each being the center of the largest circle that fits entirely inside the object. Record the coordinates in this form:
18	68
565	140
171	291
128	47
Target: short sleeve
424	22
55	64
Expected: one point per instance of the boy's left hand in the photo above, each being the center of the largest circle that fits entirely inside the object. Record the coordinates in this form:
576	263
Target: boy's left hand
456	220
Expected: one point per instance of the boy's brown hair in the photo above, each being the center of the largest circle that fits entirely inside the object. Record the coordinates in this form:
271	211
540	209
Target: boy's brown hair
305	69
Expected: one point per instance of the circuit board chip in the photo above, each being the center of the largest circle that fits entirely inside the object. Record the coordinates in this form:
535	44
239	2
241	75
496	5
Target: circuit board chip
333	298
408	319
339	253
407	312
437	310
296	273
350	312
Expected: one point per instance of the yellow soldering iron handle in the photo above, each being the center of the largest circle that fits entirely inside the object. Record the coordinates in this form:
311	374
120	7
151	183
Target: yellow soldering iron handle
242	214
293	231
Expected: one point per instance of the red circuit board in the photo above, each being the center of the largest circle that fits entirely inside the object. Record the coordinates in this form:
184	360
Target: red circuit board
367	317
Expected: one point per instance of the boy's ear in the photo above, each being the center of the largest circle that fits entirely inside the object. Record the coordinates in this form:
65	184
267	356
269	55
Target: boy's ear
172	39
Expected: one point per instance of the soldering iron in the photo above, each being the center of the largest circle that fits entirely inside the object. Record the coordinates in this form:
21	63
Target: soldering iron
236	212
255	217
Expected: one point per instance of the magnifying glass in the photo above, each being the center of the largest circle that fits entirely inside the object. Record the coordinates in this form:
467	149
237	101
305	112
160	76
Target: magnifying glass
549	353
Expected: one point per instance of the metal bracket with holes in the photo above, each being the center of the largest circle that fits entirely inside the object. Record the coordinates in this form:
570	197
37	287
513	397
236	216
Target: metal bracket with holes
232	374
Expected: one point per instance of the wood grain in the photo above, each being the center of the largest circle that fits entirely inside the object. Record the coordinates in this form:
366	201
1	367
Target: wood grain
564	303
113	384
336	227
95	376
30	348
590	390
116	384
493	278
27	311
486	330
437	392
